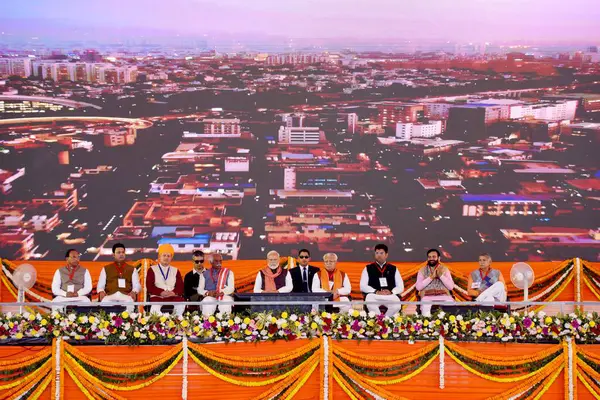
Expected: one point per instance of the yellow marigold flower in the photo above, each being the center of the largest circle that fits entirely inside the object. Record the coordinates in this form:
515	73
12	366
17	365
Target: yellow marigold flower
452	318
426	323
125	314
211	319
370	323
350	336
246	320
479	334
398	319
284	325
283	315
136	334
31	317
384	336
196	329
437	322
511	320
455	330
19	335
592	324
143	321
248	332
273	320
185	323
56	332
314	325
548	320
163	319
324	314
92	319
230	322
44	322
355	313
152	336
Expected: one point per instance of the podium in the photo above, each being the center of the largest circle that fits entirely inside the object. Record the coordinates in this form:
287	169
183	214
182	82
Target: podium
280	297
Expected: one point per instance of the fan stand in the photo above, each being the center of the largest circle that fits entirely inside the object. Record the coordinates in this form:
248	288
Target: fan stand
526	295
21	299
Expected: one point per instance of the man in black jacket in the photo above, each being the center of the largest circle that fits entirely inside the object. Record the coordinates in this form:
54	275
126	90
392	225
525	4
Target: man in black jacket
192	278
305	277
381	282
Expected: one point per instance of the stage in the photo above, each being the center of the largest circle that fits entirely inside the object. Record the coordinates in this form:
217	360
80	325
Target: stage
522	355
307	369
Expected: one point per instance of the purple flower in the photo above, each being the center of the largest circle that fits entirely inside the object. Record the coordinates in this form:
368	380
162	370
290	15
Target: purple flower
206	325
356	325
527	322
118	322
575	324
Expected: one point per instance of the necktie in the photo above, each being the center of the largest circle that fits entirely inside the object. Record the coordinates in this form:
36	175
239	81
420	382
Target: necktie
305	278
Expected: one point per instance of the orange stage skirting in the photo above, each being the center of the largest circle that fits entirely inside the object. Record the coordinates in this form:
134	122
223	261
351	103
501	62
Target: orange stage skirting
459	383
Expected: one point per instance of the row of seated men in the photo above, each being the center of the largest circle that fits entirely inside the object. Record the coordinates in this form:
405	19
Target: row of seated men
380	282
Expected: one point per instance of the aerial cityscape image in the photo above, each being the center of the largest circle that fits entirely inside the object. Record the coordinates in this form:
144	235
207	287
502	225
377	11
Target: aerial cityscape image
240	127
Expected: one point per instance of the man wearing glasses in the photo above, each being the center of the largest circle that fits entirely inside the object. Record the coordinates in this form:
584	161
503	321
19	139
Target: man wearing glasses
305	277
192	278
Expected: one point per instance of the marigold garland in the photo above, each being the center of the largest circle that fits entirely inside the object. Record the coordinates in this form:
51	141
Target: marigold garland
28	380
42	386
25	361
134	368
590	286
362	382
275	390
524	386
553	364
80	381
549	383
383	361
503	361
406	377
253	362
291	392
252	383
81	387
73	364
346	387
588	385
588	369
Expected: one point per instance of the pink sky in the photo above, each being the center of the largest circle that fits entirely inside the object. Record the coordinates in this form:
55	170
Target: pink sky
464	20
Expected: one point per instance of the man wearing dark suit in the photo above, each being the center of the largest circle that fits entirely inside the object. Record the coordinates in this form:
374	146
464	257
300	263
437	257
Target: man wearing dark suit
192	278
305	277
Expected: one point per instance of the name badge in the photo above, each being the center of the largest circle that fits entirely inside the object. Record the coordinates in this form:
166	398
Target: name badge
475	285
121	283
70	288
383	282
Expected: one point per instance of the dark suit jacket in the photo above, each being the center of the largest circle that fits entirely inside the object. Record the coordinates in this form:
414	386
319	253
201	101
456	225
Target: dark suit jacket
297	278
190	284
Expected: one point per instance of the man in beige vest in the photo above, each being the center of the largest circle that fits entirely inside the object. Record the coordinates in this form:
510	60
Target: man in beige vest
164	282
71	283
119	281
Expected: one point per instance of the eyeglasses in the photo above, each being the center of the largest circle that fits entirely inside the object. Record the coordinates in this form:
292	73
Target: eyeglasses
303	256
198	261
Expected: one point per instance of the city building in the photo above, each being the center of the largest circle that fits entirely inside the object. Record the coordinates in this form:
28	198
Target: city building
21	66
408	130
300	135
389	113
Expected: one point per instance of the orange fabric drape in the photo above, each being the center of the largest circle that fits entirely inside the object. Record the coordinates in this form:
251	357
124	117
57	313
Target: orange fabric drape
245	270
204	386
